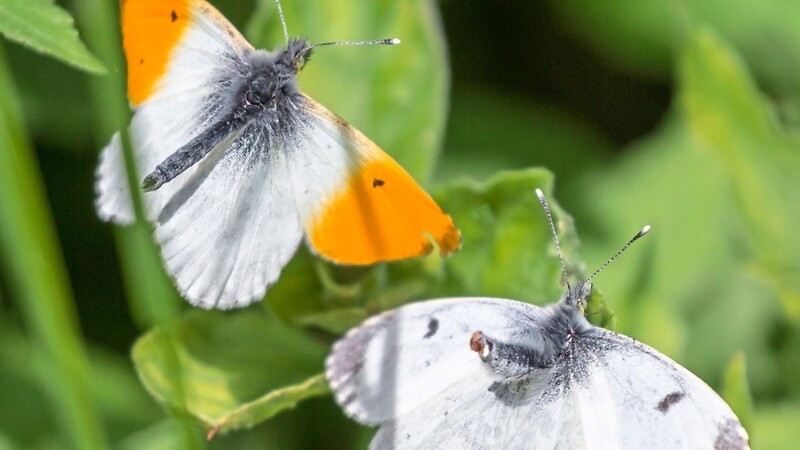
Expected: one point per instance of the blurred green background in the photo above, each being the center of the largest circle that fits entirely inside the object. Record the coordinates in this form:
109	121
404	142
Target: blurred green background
681	114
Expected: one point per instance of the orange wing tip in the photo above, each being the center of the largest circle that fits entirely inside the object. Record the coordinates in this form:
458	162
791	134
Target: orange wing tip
382	214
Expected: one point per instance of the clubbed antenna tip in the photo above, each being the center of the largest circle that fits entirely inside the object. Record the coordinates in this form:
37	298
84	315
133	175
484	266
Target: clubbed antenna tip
635	238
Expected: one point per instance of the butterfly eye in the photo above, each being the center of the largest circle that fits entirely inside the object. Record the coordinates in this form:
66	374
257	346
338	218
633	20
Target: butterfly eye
299	63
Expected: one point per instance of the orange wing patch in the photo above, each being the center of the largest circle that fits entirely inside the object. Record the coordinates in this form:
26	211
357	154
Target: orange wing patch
151	29
381	215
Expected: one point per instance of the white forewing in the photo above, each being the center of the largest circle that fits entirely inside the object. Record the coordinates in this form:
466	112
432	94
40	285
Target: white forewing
185	100
399	361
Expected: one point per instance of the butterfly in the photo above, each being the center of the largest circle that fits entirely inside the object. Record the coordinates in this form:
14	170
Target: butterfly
241	166
488	373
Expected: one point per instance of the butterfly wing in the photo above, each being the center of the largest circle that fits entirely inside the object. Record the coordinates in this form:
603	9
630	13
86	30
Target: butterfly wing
358	206
406	358
181	55
624	393
228	230
608	391
224	225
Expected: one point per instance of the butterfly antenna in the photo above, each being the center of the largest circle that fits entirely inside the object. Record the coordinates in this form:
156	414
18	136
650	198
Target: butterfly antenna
635	238
283	21
543	201
387	41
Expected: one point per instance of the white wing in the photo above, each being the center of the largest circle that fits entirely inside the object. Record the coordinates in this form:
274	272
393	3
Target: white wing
185	100
608	392
398	361
648	400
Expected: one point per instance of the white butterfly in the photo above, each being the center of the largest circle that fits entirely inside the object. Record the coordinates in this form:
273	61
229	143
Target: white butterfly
486	373
241	166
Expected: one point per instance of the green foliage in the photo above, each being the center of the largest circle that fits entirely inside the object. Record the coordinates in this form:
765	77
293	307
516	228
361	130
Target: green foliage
31	256
646	36
724	214
714	284
46	28
235	370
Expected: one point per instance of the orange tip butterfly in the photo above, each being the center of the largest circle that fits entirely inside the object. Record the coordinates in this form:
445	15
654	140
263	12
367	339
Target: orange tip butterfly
490	373
240	165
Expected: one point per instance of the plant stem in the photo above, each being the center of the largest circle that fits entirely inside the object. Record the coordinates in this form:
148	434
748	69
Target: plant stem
33	257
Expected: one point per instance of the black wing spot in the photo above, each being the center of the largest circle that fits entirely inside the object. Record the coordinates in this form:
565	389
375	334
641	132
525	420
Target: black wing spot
433	327
173	15
670	399
377	182
141	61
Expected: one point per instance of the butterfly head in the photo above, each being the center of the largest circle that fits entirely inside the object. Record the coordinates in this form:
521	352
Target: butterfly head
272	76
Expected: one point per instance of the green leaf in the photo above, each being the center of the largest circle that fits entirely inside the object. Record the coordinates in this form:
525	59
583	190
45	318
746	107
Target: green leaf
736	391
395	95
163	435
234	369
734	123
507	248
268	405
46	28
